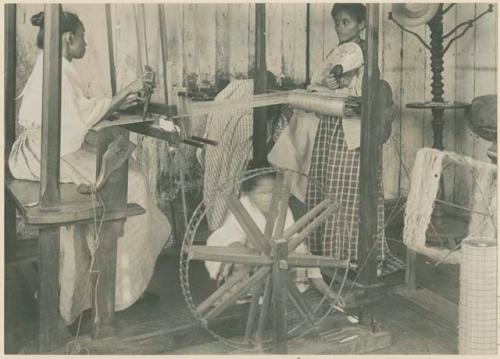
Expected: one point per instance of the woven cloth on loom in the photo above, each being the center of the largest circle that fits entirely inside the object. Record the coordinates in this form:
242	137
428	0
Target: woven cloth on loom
425	178
335	172
227	161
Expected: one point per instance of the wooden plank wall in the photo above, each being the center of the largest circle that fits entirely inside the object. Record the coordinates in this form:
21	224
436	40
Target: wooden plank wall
208	43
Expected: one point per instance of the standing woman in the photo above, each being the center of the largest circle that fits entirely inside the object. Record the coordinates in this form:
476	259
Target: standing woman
335	167
145	235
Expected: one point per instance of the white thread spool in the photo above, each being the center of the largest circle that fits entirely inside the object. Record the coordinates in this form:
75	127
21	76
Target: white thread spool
320	104
478	292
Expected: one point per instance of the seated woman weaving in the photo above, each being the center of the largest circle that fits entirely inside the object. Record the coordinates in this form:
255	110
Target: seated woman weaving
256	197
144	236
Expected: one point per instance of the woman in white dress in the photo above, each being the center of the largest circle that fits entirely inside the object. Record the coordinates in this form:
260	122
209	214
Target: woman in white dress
144	236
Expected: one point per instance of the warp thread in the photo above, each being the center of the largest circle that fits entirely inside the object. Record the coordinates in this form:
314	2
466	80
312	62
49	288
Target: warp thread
320	103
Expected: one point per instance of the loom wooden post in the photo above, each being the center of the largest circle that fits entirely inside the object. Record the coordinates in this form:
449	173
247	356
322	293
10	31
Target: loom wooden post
370	154
260	84
9	123
308	44
50	195
48	245
114	197
112	72
164	50
280	280
411	269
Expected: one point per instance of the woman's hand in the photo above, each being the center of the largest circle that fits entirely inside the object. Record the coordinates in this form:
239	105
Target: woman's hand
131	101
146	80
331	82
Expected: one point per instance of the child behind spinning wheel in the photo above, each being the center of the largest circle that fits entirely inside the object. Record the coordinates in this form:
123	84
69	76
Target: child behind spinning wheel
256	197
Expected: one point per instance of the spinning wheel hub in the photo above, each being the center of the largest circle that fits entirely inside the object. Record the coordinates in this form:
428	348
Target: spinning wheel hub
267	259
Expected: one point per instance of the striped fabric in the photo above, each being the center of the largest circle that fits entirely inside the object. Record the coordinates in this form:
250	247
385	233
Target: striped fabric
335	172
226	161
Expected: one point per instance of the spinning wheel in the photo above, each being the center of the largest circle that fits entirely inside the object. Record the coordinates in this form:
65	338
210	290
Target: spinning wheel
268	265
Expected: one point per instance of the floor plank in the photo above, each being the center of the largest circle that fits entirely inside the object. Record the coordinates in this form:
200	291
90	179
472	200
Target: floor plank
412	333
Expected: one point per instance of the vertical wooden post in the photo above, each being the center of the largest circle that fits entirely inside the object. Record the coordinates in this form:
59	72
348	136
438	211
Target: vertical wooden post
9	123
10	79
48	296
308	44
114	197
370	154
280	278
260	84
411	269
437	85
48	265
51	110
111	50
164	50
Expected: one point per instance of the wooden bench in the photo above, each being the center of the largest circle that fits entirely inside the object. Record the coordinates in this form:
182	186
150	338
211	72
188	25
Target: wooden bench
74	207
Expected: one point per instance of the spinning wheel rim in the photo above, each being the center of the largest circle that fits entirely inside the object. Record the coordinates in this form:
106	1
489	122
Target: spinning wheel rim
199	213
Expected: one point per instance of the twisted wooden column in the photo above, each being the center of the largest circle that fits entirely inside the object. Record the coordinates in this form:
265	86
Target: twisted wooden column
437	62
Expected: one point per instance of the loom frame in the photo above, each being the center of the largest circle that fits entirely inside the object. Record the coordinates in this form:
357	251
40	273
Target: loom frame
50	332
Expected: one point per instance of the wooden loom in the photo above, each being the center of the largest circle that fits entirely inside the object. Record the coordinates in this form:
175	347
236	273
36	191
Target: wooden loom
49	205
60	204
273	257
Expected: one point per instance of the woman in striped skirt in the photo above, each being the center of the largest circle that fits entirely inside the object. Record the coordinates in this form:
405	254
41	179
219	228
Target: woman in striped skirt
335	163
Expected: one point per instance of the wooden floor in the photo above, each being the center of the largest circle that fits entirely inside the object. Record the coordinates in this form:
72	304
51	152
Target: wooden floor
176	331
411	331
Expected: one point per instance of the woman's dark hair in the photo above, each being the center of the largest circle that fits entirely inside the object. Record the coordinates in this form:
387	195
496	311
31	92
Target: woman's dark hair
249	184
69	23
355	10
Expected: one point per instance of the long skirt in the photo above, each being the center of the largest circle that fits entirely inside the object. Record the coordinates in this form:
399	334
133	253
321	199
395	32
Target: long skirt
334	173
143	238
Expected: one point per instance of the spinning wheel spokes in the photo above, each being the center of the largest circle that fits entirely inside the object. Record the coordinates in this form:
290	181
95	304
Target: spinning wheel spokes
316	222
266	303
299	302
239	289
273	211
229	255
252	312
307	260
284	197
263	268
305	219
207	303
254	235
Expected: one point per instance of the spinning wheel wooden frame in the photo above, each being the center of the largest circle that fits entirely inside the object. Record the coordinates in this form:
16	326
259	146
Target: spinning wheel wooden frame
268	265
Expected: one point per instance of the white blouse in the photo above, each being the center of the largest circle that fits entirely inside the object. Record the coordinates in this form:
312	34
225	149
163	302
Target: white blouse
78	112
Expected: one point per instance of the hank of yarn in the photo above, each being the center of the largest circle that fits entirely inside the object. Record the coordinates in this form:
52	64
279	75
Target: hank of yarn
477	307
425	177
